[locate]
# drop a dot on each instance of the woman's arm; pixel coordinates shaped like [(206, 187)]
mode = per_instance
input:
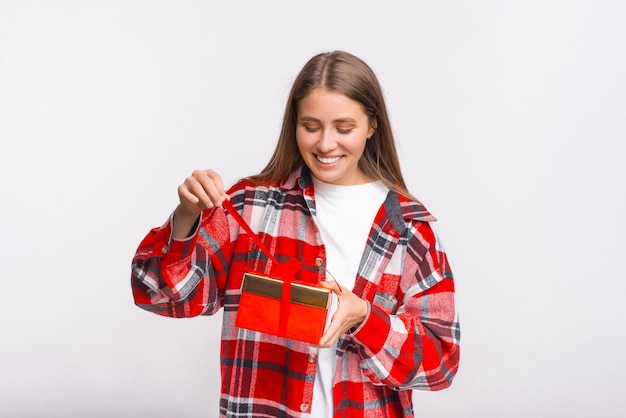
[(183, 278), (417, 346), (175, 271)]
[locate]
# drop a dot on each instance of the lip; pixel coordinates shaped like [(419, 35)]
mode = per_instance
[(327, 161)]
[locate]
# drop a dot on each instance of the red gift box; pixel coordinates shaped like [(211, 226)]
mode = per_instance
[(285, 309)]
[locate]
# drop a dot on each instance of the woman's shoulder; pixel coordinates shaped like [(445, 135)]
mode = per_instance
[(408, 208)]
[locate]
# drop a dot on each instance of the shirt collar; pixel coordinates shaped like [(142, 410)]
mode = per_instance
[(399, 208), (299, 178)]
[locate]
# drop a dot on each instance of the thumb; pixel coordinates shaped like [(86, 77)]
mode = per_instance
[(332, 285)]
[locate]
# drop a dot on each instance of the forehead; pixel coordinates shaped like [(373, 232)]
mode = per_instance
[(325, 104)]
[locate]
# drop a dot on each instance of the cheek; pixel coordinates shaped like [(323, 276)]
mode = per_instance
[(303, 139), (301, 144), (358, 146)]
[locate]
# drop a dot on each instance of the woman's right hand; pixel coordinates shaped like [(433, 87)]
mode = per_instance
[(204, 189)]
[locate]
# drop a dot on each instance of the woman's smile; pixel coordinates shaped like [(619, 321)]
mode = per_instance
[(328, 160)]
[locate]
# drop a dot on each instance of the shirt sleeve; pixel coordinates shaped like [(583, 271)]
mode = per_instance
[(183, 278), (417, 347)]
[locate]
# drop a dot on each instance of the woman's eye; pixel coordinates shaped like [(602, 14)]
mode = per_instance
[(344, 131), (311, 128)]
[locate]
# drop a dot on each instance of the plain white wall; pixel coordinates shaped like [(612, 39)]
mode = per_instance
[(510, 117)]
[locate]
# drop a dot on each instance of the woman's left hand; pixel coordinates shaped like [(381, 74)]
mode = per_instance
[(351, 311)]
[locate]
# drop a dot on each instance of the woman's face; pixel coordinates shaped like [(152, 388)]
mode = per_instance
[(331, 134)]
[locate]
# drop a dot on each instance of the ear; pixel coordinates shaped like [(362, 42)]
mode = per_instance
[(372, 129)]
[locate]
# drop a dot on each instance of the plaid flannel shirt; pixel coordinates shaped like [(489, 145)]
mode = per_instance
[(409, 339)]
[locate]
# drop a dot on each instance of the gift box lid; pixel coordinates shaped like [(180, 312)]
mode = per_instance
[(300, 293)]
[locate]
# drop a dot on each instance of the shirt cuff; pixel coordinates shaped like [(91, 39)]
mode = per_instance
[(175, 249), (373, 330)]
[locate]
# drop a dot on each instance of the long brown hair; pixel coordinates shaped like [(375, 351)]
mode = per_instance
[(343, 73)]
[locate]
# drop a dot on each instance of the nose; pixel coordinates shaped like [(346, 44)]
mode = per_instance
[(326, 142)]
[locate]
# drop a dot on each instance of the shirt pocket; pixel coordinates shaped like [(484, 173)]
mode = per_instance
[(386, 301)]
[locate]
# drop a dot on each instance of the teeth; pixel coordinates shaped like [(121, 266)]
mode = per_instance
[(328, 160)]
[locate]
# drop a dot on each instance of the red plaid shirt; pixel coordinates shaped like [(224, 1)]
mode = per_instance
[(409, 340)]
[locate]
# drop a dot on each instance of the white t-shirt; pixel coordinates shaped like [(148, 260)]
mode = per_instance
[(344, 215)]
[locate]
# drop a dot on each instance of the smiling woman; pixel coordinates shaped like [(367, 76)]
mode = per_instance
[(331, 199), (352, 81), (331, 147)]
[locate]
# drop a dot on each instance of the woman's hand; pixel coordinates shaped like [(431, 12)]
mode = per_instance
[(351, 311), (204, 189)]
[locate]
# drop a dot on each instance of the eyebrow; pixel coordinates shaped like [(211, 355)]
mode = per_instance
[(340, 120)]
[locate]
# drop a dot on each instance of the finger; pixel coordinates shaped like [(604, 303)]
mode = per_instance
[(332, 334), (195, 188), (328, 339), (185, 194), (212, 184), (332, 285), (189, 203), (219, 184), (334, 331)]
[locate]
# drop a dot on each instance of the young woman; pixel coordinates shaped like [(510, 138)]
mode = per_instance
[(331, 195)]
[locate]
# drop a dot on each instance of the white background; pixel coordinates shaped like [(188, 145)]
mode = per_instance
[(510, 117)]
